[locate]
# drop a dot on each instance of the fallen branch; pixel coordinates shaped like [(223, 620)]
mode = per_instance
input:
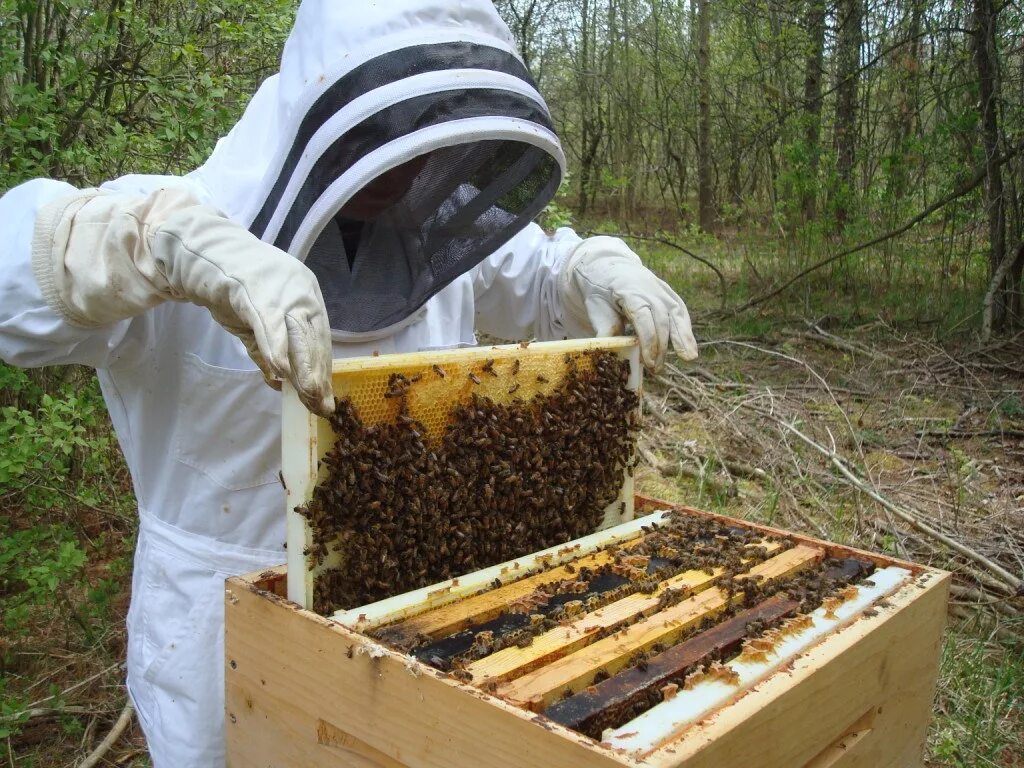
[(822, 336), (111, 739), (72, 688), (975, 597), (651, 409), (41, 712), (962, 434), (858, 483)]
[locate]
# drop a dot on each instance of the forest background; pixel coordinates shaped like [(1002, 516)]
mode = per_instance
[(836, 187)]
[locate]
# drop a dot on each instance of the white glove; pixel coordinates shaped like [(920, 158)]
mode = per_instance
[(100, 258), (604, 284)]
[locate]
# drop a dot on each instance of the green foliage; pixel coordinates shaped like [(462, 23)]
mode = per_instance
[(54, 439), (54, 449), (13, 710), (557, 213), (981, 704), (91, 91), (36, 566), (1012, 408), (58, 463)]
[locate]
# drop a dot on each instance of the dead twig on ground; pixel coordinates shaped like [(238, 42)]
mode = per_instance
[(822, 336), (906, 516), (71, 689), (111, 738), (42, 712), (965, 434), (937, 502)]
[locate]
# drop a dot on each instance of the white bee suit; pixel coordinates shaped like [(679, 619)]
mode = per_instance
[(198, 426), (431, 94)]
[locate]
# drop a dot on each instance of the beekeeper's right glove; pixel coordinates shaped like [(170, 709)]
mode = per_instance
[(603, 285), (100, 258)]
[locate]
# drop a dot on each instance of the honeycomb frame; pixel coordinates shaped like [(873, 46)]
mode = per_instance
[(446, 378)]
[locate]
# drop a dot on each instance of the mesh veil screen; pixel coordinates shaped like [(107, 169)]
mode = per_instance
[(461, 206)]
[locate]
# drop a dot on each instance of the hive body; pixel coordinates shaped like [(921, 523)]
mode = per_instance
[(848, 685), (676, 639)]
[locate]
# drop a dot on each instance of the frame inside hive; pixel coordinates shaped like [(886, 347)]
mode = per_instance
[(580, 674), (446, 378)]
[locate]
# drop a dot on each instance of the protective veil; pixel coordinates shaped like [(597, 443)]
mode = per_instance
[(430, 105), (432, 97)]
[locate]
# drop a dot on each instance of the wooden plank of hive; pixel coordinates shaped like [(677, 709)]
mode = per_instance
[(302, 690), (611, 697), (401, 607), (454, 617), (884, 664), (760, 660), (560, 641), (539, 689)]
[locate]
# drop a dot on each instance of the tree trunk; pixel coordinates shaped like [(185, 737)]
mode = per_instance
[(988, 97), (907, 64), (587, 145), (850, 22), (705, 191), (812, 105)]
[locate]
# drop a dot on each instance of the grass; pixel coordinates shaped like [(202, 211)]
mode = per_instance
[(980, 706), (908, 285)]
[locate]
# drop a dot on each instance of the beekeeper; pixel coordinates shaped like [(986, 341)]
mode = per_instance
[(376, 196)]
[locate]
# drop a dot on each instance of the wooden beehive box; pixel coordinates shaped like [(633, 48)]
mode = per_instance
[(678, 638), (850, 689)]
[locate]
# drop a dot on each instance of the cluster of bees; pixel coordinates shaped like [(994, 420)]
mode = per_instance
[(682, 542), (502, 481)]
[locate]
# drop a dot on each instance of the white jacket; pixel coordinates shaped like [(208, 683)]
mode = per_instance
[(199, 428)]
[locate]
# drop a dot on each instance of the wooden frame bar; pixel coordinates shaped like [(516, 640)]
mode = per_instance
[(415, 603), (662, 723), (460, 615), (619, 692), (539, 689), (561, 641)]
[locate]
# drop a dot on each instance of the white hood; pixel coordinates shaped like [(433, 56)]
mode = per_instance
[(364, 88)]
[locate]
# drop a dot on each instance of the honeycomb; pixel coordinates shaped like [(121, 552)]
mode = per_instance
[(432, 396), (432, 390)]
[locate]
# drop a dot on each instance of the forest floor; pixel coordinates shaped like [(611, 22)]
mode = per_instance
[(854, 429)]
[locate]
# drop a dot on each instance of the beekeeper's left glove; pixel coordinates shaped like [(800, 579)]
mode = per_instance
[(604, 285), (100, 258)]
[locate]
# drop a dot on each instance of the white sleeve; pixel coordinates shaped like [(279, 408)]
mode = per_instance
[(516, 288), (33, 334)]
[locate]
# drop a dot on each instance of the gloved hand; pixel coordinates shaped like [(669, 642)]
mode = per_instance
[(604, 284), (100, 258)]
